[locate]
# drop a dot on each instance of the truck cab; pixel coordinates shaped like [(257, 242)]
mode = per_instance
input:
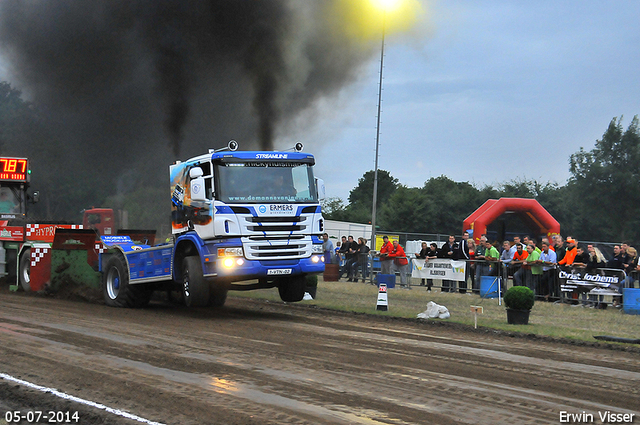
[(249, 216), (15, 177)]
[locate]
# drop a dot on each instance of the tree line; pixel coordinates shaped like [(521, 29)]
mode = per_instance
[(599, 202)]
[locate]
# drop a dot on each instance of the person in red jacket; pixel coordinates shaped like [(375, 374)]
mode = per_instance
[(400, 263), (385, 261)]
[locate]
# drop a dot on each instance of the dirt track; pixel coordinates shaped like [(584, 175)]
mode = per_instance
[(268, 363)]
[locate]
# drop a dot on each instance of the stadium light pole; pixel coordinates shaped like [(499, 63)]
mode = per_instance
[(375, 171)]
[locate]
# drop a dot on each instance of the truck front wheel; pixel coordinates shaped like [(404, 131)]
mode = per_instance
[(291, 288), (195, 290), (24, 273), (217, 296), (116, 288)]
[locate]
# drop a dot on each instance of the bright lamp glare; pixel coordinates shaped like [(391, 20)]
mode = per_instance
[(366, 19), (386, 5)]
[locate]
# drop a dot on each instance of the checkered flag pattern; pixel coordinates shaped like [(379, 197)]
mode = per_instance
[(33, 228), (37, 254)]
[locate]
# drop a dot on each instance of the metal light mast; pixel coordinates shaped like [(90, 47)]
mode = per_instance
[(375, 173)]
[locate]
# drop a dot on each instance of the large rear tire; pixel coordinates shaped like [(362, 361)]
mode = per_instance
[(195, 290), (24, 270), (116, 289), (291, 288)]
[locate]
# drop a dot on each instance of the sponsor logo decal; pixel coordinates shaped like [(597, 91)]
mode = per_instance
[(271, 156)]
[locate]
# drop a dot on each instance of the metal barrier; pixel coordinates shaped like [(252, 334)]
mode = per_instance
[(355, 266), (546, 285)]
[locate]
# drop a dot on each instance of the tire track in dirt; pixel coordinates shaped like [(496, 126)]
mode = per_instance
[(257, 362)]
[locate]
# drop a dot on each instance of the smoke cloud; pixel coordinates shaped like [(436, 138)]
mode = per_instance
[(95, 56), (135, 82)]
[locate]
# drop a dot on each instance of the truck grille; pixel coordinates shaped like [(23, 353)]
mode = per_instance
[(284, 248), (276, 225), (271, 237)]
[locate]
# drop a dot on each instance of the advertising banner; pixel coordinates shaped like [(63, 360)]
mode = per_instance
[(11, 233), (439, 268), (379, 240), (597, 282)]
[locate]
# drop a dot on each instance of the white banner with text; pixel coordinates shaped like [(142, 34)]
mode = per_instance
[(439, 268)]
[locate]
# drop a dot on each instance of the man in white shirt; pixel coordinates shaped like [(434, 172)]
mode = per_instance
[(548, 260)]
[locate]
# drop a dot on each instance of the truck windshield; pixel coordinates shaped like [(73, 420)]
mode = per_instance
[(254, 182), (11, 200)]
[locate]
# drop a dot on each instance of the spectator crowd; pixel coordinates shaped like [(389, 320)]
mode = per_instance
[(524, 260)]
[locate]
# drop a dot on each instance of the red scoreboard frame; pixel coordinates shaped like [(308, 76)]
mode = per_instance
[(14, 169)]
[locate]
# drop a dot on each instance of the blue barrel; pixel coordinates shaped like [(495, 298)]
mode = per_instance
[(376, 263), (631, 302), (489, 286), (388, 279)]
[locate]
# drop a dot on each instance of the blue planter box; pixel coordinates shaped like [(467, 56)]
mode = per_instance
[(388, 279)]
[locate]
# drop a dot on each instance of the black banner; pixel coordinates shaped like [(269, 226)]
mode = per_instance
[(596, 282)]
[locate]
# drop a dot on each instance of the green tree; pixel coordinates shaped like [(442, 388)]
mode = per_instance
[(334, 209), (361, 197), (451, 202), (405, 211), (362, 194), (440, 206), (604, 185)]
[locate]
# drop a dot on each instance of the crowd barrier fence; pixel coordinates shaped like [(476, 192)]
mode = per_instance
[(568, 284)]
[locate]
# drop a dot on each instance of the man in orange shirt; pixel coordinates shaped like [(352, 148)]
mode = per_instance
[(571, 253), (518, 259)]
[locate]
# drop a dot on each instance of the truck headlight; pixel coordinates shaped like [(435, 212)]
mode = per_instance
[(230, 262), (317, 249), (230, 252)]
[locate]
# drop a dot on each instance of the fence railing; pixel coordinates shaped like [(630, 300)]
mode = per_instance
[(548, 282)]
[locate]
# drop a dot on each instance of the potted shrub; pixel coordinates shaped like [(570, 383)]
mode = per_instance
[(519, 301)]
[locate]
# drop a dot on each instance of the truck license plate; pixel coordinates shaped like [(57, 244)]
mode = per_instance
[(279, 271)]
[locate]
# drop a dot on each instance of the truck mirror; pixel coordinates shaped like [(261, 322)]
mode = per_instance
[(320, 189), (197, 189), (35, 197)]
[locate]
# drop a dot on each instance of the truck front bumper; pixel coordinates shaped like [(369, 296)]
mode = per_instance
[(239, 268)]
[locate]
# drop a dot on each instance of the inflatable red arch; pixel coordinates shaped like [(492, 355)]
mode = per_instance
[(529, 210)]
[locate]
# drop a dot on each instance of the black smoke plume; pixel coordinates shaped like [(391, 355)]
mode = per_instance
[(130, 86)]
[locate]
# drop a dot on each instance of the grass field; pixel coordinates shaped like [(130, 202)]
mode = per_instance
[(554, 320)]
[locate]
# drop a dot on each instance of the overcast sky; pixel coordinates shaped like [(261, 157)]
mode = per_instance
[(481, 91), (497, 90)]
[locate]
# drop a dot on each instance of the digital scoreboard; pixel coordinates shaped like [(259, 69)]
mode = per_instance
[(14, 169)]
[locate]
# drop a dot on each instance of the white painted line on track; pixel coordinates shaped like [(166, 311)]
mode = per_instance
[(78, 400)]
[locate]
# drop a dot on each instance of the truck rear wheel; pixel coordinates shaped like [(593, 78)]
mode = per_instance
[(116, 288), (195, 290), (24, 272), (291, 288)]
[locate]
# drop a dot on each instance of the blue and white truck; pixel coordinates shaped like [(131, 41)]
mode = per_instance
[(240, 220)]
